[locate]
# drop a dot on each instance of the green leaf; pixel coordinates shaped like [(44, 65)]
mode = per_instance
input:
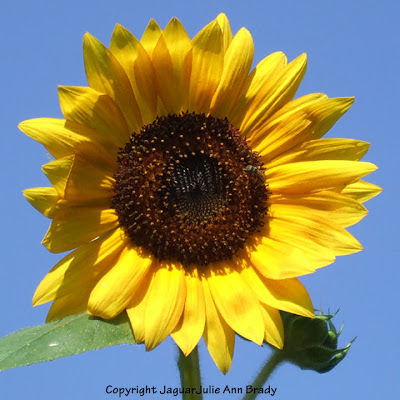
[(72, 335)]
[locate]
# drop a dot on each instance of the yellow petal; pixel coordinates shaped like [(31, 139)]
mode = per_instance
[(322, 149), (278, 91), (96, 110), (172, 59), (314, 114), (361, 191), (327, 112), (237, 64), (150, 37), (146, 88), (161, 110), (138, 67), (341, 209), (223, 22), (62, 138), (303, 177), (76, 179), (218, 335), (318, 107), (237, 304), (58, 136), (165, 303), (74, 303), (300, 252), (194, 316), (290, 294), (260, 285), (115, 289), (75, 226), (278, 260), (88, 182), (136, 309), (105, 74), (293, 107), (57, 173), (296, 129), (321, 230), (283, 294), (44, 199), (274, 332), (207, 67), (81, 268), (256, 85)]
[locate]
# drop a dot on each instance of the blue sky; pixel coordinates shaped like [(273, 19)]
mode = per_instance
[(353, 50)]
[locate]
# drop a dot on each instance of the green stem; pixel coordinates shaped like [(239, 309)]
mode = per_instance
[(275, 359), (189, 368)]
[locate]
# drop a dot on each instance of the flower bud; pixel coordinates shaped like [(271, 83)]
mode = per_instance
[(312, 343)]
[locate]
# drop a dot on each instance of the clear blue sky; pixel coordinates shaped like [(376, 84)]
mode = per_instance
[(353, 50)]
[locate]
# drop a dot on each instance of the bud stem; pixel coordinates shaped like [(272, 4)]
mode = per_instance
[(276, 358), (189, 369)]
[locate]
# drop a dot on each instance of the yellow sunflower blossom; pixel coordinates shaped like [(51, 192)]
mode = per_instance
[(194, 190)]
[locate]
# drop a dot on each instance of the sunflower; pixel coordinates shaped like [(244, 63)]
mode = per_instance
[(193, 190)]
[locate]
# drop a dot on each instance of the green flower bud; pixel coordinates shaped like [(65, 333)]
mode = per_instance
[(312, 343)]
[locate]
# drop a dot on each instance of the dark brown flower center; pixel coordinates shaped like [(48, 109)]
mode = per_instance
[(190, 189)]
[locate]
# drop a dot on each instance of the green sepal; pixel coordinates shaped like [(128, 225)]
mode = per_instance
[(72, 335)]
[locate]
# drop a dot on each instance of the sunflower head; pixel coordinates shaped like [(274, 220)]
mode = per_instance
[(190, 189), (194, 190)]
